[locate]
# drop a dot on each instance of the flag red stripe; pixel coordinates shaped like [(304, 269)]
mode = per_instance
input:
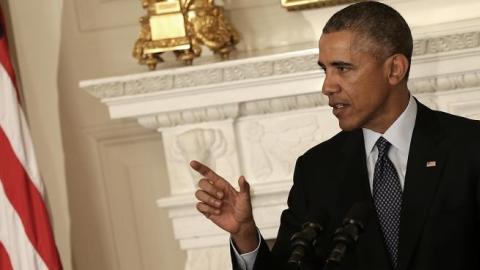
[(28, 203), (5, 263)]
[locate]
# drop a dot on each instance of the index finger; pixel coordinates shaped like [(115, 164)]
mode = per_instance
[(204, 170)]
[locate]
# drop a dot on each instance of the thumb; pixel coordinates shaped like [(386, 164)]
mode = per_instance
[(244, 185)]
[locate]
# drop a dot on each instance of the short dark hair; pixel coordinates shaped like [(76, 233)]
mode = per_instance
[(378, 23)]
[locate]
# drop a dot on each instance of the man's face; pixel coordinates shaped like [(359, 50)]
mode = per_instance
[(356, 82)]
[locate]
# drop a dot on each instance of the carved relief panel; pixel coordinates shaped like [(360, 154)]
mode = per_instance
[(270, 144), (210, 143), (465, 103)]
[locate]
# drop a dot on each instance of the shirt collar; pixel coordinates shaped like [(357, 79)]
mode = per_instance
[(399, 134)]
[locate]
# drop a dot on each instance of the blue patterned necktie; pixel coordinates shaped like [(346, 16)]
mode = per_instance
[(387, 196)]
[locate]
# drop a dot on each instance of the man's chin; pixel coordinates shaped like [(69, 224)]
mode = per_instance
[(345, 126)]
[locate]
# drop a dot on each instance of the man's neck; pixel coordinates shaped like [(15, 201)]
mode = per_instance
[(396, 105)]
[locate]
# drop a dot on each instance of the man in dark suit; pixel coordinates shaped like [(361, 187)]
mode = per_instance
[(417, 170)]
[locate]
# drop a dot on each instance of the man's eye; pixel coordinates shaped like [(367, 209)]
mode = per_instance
[(342, 68)]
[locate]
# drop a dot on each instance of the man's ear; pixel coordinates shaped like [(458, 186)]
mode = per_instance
[(397, 67)]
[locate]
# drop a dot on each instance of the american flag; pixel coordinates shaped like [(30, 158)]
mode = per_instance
[(26, 239)]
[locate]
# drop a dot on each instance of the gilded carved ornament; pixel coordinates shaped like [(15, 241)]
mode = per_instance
[(183, 26)]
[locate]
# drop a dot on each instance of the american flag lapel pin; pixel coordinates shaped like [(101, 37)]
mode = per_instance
[(431, 163)]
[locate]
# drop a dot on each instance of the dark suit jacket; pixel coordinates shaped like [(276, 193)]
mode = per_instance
[(440, 218)]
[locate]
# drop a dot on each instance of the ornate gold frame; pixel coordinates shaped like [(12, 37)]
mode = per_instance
[(306, 4)]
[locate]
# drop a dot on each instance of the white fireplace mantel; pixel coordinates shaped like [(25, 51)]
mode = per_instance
[(255, 115)]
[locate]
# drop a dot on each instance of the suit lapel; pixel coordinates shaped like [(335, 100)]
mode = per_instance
[(425, 163), (354, 185)]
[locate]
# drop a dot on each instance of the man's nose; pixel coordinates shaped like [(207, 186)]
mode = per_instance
[(330, 85)]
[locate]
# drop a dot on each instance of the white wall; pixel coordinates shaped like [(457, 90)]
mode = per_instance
[(114, 169)]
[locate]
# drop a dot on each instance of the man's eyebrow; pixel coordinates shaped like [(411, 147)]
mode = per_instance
[(341, 64), (336, 64)]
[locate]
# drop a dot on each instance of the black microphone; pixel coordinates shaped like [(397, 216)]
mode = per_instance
[(305, 242), (346, 236)]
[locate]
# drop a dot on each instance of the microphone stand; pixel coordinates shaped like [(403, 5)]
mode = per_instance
[(346, 236), (304, 244)]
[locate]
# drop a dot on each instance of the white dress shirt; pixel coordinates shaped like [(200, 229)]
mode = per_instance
[(399, 134)]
